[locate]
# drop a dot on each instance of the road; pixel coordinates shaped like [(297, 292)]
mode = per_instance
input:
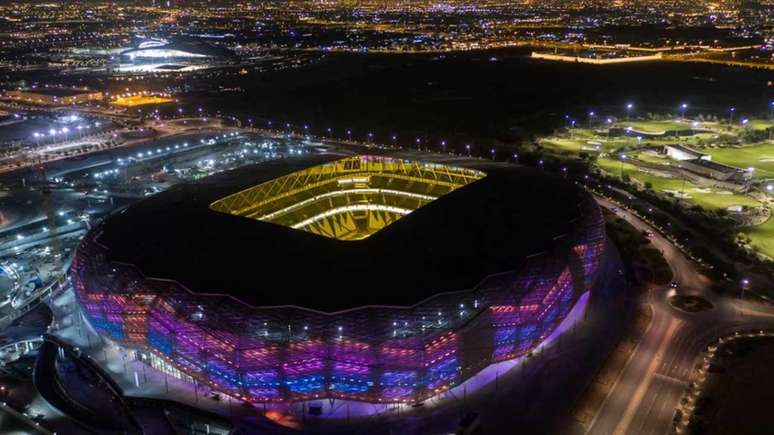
[(646, 394)]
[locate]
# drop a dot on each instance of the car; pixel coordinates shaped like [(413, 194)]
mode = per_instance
[(673, 284)]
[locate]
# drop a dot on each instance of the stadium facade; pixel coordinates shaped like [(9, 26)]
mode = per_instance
[(314, 277)]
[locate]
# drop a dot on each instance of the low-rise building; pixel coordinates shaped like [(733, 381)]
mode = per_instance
[(716, 171), (682, 152), (54, 96)]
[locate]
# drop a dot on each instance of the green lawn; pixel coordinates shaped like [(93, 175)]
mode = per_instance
[(762, 237), (565, 144), (586, 144), (760, 157), (708, 198), (655, 126), (656, 159), (760, 124)]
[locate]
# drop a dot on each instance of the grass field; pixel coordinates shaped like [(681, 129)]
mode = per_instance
[(654, 126), (762, 237), (760, 124), (656, 159), (705, 197), (585, 144), (760, 157)]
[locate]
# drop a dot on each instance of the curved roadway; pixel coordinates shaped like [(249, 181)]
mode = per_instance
[(646, 394)]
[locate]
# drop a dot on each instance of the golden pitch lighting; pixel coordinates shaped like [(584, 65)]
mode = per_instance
[(349, 199), (140, 100)]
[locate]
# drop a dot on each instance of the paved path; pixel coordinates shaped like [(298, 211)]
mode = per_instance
[(644, 398)]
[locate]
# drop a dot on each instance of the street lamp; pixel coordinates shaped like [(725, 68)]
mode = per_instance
[(683, 106), (623, 158), (629, 108), (731, 111)]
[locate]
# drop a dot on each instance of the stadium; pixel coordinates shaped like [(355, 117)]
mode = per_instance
[(370, 278)]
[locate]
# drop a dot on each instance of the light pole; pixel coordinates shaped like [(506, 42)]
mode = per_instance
[(609, 122), (629, 108), (731, 114), (683, 107), (621, 160), (592, 114), (750, 171)]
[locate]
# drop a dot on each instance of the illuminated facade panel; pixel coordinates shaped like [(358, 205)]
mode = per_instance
[(395, 352)]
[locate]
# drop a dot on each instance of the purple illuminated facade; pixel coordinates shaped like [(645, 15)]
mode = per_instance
[(373, 353)]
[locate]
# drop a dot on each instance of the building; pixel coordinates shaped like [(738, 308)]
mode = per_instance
[(716, 171), (54, 96), (682, 152), (157, 48), (368, 278)]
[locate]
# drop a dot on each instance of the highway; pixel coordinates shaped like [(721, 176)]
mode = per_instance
[(644, 398)]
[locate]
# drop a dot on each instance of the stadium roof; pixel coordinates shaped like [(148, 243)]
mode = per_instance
[(450, 244)]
